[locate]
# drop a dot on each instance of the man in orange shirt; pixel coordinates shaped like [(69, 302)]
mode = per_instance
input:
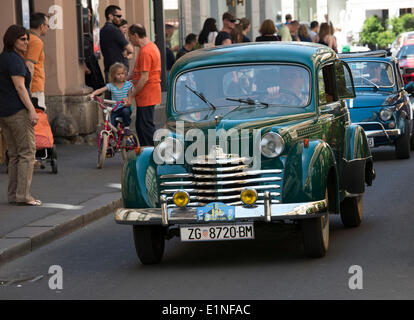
[(147, 81), (35, 56)]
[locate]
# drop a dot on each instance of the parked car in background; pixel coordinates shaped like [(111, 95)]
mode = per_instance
[(405, 56), (382, 106), (400, 40), (257, 134)]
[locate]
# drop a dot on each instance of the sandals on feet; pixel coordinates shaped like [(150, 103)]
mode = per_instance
[(33, 203)]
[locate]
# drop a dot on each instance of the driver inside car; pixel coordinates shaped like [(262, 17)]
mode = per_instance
[(290, 90)]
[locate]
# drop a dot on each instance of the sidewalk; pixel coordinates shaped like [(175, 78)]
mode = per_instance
[(78, 195)]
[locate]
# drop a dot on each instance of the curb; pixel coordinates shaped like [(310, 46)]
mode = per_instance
[(42, 232)]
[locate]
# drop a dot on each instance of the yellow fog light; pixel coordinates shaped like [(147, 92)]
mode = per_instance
[(249, 196), (181, 198)]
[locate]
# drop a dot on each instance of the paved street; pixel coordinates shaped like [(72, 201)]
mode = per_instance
[(99, 261)]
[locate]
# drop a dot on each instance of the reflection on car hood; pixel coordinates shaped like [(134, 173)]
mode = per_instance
[(243, 118), (373, 99)]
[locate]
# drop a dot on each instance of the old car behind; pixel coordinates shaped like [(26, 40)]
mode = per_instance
[(382, 105)]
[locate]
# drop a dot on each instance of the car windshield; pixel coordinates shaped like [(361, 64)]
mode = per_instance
[(406, 51), (372, 74), (263, 85)]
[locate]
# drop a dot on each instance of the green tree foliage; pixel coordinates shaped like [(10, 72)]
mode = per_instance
[(376, 32)]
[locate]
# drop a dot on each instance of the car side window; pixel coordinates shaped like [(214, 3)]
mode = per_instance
[(326, 85), (343, 80)]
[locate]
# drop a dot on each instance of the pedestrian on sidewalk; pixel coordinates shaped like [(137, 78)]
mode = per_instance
[(35, 56), (208, 34), (113, 42), (18, 116), (224, 36), (190, 44), (147, 81)]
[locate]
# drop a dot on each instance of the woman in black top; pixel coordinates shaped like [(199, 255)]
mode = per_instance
[(17, 115), (268, 31)]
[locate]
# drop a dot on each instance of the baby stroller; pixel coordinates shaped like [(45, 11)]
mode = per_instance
[(45, 148)]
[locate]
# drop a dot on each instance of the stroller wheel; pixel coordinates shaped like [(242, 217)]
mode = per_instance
[(54, 166)]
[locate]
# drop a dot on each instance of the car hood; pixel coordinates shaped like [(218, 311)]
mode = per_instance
[(243, 118), (366, 99)]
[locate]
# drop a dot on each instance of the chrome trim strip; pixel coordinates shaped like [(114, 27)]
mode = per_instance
[(221, 176), (224, 169), (269, 186), (268, 207), (214, 161), (218, 183), (164, 210)]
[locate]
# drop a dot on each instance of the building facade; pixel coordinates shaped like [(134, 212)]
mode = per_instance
[(65, 88)]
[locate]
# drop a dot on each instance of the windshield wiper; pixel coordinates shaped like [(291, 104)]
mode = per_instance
[(369, 81), (249, 101), (201, 96)]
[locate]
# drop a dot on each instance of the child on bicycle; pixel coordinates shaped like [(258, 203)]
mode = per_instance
[(119, 88)]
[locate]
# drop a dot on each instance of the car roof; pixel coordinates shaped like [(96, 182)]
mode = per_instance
[(308, 54)]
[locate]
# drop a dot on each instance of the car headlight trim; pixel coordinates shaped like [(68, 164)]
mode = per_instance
[(385, 114), (272, 145)]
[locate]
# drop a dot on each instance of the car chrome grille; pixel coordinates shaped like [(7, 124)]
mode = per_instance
[(221, 180)]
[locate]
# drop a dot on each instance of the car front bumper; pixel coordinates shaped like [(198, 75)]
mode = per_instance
[(266, 212), (380, 131)]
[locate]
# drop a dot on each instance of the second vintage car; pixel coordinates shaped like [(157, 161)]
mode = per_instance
[(256, 134), (382, 105)]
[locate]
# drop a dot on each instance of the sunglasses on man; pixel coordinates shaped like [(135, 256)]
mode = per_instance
[(119, 16)]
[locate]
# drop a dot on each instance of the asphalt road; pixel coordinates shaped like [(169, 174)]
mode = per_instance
[(99, 261)]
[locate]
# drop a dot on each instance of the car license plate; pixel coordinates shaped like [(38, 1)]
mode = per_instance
[(371, 142), (217, 232)]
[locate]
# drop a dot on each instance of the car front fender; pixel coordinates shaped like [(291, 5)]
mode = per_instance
[(139, 181), (308, 171)]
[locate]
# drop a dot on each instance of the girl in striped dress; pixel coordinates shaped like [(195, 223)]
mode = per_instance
[(119, 88)]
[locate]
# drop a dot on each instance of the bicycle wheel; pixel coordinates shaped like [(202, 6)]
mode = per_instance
[(102, 149), (129, 143)]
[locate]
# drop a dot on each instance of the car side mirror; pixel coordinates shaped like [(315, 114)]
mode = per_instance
[(409, 87)]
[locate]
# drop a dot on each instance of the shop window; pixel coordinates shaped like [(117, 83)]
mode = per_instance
[(88, 27), (24, 8)]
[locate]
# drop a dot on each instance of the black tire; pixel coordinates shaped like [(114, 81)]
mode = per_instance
[(102, 149), (149, 243), (53, 162), (352, 212), (403, 144), (131, 139), (316, 235)]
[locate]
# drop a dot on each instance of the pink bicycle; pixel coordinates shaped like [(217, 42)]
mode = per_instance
[(113, 139)]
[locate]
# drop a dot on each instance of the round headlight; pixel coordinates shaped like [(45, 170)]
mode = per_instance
[(249, 196), (168, 151), (272, 145), (181, 198), (385, 114)]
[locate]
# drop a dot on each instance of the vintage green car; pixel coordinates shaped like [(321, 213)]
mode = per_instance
[(256, 134)]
